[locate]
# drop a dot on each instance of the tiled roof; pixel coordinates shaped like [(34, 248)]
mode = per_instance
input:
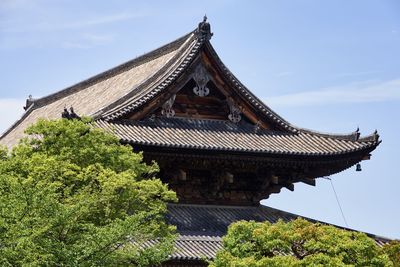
[(227, 136), (201, 226), (210, 220), (151, 88), (107, 89), (126, 88), (196, 247)]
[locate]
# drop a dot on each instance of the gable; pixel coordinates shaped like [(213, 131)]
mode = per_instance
[(201, 93)]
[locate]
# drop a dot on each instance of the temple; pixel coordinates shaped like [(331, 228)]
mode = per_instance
[(218, 146)]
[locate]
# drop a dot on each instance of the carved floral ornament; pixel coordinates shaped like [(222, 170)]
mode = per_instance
[(234, 115), (167, 110), (200, 76)]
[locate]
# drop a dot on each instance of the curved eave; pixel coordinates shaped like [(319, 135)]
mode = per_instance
[(207, 135), (303, 155), (270, 115), (157, 84)]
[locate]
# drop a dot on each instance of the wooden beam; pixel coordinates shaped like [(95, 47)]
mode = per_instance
[(308, 181), (289, 186), (366, 157), (246, 109), (274, 179)]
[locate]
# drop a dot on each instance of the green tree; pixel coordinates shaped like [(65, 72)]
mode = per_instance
[(297, 243), (72, 195), (392, 249)]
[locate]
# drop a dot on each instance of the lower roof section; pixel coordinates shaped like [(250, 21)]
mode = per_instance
[(227, 136), (201, 227)]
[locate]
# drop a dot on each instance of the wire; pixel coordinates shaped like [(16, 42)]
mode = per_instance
[(338, 202)]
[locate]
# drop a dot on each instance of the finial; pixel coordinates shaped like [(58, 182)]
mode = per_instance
[(357, 134), (65, 114), (204, 30), (72, 114), (69, 114), (29, 102)]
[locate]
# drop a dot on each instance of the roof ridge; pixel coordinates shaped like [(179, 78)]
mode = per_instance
[(23, 116), (353, 136), (137, 61), (34, 104), (112, 111)]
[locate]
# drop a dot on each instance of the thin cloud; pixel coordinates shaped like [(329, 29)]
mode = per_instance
[(75, 45), (284, 74), (52, 25), (88, 40), (360, 73), (350, 93), (17, 4)]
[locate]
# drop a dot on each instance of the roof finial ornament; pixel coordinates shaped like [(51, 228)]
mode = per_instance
[(72, 114), (204, 30), (357, 134), (69, 114), (65, 113), (29, 102)]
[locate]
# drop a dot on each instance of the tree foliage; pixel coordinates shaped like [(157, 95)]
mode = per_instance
[(72, 195), (298, 243), (392, 249)]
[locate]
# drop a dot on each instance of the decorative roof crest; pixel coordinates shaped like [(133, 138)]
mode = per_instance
[(200, 76), (204, 30), (167, 109), (29, 102), (234, 115), (69, 114)]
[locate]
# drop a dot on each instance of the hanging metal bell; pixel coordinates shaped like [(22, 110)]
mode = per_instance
[(358, 167)]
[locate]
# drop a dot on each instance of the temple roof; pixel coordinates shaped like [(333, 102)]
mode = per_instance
[(114, 95), (228, 136), (201, 227), (101, 92)]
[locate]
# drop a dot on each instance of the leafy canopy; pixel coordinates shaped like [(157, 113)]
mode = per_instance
[(298, 243), (72, 195)]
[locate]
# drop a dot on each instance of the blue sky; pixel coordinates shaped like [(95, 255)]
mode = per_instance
[(330, 66)]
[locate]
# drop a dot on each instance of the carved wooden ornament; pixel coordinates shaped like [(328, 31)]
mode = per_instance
[(201, 78), (234, 115), (167, 110)]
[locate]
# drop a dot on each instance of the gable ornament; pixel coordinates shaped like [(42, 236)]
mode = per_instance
[(167, 110), (204, 30), (200, 76), (234, 115)]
